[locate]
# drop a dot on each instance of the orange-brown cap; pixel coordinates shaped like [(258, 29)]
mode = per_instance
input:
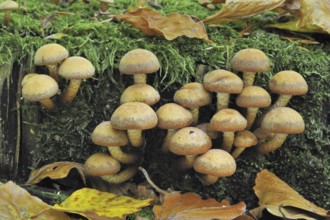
[(173, 116), (253, 96), (39, 87), (76, 67), (105, 135), (140, 93), (222, 81), (100, 164), (192, 95), (250, 60), (288, 82), (50, 54), (245, 139), (228, 120)]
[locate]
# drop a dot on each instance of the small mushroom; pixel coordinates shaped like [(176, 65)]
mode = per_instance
[(134, 117), (40, 88), (228, 121), (243, 139), (263, 135), (51, 55), (75, 69), (172, 117), (223, 83), (140, 93), (250, 61), (139, 63), (213, 164), (8, 6), (104, 4), (192, 96), (100, 164)]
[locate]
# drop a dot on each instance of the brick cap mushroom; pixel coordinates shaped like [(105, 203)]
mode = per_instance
[(100, 164), (140, 93)]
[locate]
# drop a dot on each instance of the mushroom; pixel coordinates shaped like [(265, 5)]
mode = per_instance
[(253, 98), (104, 4), (263, 135), (27, 77), (223, 83), (51, 55), (250, 61), (40, 88), (105, 135), (134, 117), (140, 93), (192, 96), (243, 139), (206, 127), (172, 117), (8, 6), (100, 164), (287, 84), (228, 121), (190, 142), (213, 164), (281, 121), (139, 62), (75, 69), (121, 176)]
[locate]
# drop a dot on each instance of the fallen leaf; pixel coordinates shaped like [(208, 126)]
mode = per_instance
[(190, 206), (97, 205), (57, 170), (235, 10), (281, 200), (174, 25)]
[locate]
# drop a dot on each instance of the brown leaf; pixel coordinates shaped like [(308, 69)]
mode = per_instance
[(239, 9), (171, 27), (57, 170), (191, 206), (281, 200)]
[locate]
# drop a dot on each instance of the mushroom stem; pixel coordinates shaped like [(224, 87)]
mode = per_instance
[(48, 104), (222, 100), (122, 176), (273, 144), (207, 179), (186, 162), (251, 116), (140, 78), (71, 91), (135, 137), (53, 72), (6, 17), (167, 139), (228, 140), (237, 152), (121, 156), (281, 101), (248, 78), (195, 114)]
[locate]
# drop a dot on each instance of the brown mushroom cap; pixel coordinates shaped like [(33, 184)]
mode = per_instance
[(105, 135), (192, 95), (283, 120), (39, 87), (222, 81), (27, 77), (215, 162), (134, 115), (228, 120), (50, 54), (100, 164), (245, 139), (253, 96), (140, 93), (250, 60), (190, 141), (288, 82), (9, 5), (76, 68), (139, 61), (173, 116)]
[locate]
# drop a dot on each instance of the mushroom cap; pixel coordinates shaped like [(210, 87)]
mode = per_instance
[(50, 54), (250, 60), (222, 81), (192, 95), (262, 134), (139, 61), (245, 139), (105, 135), (27, 77), (253, 96), (76, 67), (9, 5), (134, 115), (206, 127), (288, 82), (173, 116), (190, 141), (140, 93), (39, 87), (283, 120), (100, 164), (228, 120), (215, 162)]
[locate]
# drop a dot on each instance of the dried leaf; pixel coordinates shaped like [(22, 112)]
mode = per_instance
[(171, 27), (97, 205), (239, 9), (57, 170), (281, 200), (191, 206)]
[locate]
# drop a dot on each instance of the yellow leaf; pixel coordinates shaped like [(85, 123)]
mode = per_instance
[(94, 204)]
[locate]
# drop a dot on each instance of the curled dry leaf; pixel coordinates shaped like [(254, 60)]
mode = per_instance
[(174, 25), (283, 201), (57, 170), (240, 9)]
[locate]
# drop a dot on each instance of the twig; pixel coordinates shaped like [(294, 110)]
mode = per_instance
[(146, 175)]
